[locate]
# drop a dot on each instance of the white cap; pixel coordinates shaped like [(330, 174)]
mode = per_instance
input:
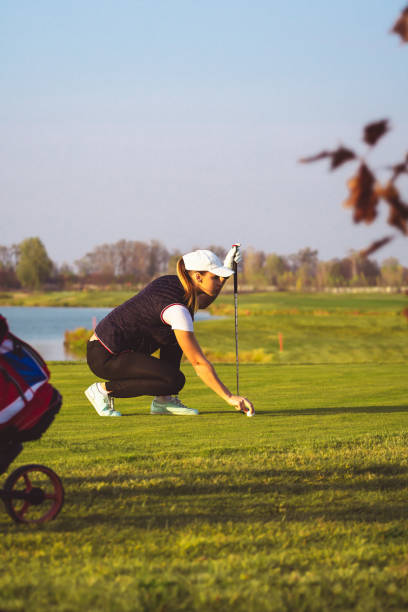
[(206, 261)]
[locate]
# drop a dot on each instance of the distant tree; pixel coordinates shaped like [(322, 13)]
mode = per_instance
[(174, 256), (287, 280), (346, 269), (65, 275), (330, 274), (275, 266), (130, 257), (157, 259), (98, 266), (365, 271), (34, 267), (139, 262), (306, 258), (126, 260), (392, 272), (304, 265), (253, 263), (8, 256), (8, 260)]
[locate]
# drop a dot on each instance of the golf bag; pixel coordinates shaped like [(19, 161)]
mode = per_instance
[(28, 402)]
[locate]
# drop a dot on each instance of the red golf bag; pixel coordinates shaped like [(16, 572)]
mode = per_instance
[(28, 402)]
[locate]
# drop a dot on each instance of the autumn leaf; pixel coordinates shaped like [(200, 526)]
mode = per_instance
[(313, 158), (338, 157), (363, 197), (397, 220), (398, 169), (364, 194), (398, 216), (374, 131), (400, 27), (374, 246)]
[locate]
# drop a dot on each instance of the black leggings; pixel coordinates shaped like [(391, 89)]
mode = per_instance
[(130, 374)]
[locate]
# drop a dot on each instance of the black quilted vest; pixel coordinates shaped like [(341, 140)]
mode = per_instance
[(136, 324)]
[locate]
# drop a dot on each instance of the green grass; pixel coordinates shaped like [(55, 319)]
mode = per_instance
[(315, 328), (303, 507), (258, 301), (84, 298)]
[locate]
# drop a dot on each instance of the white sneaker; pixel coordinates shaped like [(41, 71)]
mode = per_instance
[(171, 406), (112, 411), (103, 404)]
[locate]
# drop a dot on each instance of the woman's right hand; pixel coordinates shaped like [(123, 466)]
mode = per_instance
[(241, 403)]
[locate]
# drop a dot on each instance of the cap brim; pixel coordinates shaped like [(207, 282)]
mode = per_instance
[(222, 271)]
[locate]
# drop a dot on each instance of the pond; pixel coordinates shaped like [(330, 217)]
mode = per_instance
[(44, 327)]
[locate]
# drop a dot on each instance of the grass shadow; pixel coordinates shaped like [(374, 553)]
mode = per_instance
[(304, 495), (336, 410)]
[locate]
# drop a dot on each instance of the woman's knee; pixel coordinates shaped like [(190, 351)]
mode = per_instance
[(96, 357)]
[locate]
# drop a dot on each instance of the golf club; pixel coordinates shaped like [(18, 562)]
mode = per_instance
[(235, 268)]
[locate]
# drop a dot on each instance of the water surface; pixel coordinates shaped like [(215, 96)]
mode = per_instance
[(44, 327)]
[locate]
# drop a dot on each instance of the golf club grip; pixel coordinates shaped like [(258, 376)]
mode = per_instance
[(235, 268)]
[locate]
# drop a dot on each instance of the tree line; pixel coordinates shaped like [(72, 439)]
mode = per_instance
[(132, 263)]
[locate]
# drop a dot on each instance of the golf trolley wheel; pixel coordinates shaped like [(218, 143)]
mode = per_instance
[(34, 494)]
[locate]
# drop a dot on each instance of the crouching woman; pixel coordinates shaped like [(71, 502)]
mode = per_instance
[(160, 317)]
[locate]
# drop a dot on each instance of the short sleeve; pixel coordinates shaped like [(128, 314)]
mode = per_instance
[(178, 317)]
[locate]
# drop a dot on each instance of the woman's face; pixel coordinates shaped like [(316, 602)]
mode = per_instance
[(209, 283)]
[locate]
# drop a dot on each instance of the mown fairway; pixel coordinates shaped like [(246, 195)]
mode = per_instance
[(303, 507)]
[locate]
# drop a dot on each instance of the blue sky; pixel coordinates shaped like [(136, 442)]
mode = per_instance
[(183, 121)]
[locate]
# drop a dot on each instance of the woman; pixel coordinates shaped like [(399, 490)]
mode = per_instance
[(160, 317)]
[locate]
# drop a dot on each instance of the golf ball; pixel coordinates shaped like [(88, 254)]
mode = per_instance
[(249, 413)]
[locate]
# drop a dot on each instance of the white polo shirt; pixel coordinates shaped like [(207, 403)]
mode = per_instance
[(178, 317)]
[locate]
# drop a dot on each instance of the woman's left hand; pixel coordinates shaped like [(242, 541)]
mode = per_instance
[(233, 256)]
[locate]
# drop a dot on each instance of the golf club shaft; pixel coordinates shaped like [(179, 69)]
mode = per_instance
[(236, 321)]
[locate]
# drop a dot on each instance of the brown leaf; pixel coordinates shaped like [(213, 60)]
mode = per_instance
[(374, 246), (374, 131), (363, 197), (338, 157), (398, 216), (400, 27), (397, 220), (313, 158), (398, 169)]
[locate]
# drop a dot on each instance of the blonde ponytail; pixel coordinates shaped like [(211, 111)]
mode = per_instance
[(189, 287)]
